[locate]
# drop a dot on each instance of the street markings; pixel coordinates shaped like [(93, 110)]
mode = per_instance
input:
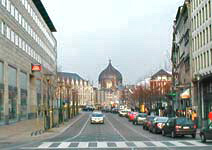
[(124, 144)]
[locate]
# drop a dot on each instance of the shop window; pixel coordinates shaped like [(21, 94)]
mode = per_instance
[(23, 86), (1, 93), (12, 93)]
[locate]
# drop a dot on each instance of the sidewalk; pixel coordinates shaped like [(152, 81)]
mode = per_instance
[(21, 131)]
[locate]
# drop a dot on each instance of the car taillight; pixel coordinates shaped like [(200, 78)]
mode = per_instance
[(195, 126), (177, 126), (159, 125)]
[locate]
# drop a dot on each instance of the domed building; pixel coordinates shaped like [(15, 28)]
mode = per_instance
[(110, 78)]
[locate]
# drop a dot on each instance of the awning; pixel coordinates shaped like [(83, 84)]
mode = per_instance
[(185, 94)]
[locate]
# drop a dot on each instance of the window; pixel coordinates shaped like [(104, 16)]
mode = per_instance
[(12, 10), (3, 2), (211, 56), (20, 43), (12, 37), (207, 38), (210, 32), (8, 5), (23, 45), (209, 7), (20, 19), (204, 60), (208, 59), (1, 27), (16, 14), (1, 91), (186, 38), (203, 37), (206, 12), (16, 39), (8, 32)]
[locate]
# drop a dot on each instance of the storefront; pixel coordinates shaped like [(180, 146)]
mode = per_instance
[(185, 104), (207, 99), (12, 88), (23, 86)]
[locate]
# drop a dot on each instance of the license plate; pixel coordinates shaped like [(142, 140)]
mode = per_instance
[(185, 127)]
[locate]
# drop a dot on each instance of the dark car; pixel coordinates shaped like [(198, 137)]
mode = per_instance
[(114, 110), (140, 118), (157, 124), (148, 122), (206, 133), (179, 126)]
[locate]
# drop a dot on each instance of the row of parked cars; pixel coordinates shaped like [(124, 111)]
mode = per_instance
[(174, 126)]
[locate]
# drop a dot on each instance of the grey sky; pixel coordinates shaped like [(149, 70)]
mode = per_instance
[(135, 34)]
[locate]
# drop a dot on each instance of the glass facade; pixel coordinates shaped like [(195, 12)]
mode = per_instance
[(12, 73), (23, 86), (38, 91), (1, 92)]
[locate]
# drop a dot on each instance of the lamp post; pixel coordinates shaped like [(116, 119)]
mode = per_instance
[(199, 100)]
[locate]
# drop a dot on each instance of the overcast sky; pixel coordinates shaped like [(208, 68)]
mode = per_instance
[(134, 34)]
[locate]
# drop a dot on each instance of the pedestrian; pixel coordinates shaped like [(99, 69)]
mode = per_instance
[(194, 117)]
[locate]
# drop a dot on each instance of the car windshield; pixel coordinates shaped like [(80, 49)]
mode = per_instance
[(97, 115), (183, 121), (151, 118)]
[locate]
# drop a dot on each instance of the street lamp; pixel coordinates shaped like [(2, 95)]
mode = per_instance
[(198, 76)]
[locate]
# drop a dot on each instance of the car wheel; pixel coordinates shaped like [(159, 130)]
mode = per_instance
[(143, 127), (150, 130), (203, 139), (173, 134), (163, 133), (193, 136), (154, 130)]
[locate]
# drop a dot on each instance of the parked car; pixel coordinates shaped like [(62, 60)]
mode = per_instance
[(206, 133), (157, 124), (123, 113), (97, 117), (148, 122), (132, 116), (179, 126), (140, 118)]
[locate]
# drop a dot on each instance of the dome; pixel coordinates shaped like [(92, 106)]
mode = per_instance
[(110, 73)]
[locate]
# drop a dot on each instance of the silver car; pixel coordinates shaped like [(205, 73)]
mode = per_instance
[(97, 117)]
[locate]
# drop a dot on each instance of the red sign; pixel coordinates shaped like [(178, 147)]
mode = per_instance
[(36, 67), (210, 115)]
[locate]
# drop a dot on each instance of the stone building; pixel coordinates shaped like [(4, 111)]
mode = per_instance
[(26, 39), (201, 21), (181, 59), (110, 79)]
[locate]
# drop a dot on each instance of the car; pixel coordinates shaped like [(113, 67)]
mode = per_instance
[(140, 119), (157, 124), (148, 122), (114, 110), (97, 117), (132, 116), (206, 133), (179, 126), (123, 113)]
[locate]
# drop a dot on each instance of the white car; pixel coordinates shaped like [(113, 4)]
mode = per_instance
[(97, 117)]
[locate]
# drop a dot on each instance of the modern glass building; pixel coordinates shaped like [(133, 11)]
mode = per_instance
[(26, 39)]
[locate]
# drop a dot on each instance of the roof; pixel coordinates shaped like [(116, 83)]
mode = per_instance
[(110, 73), (44, 15), (70, 75), (161, 72)]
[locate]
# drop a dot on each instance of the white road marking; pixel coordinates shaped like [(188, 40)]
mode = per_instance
[(83, 145), (102, 144), (177, 143), (121, 145), (158, 144), (82, 129), (129, 127), (140, 144), (196, 143), (45, 145), (116, 130), (64, 145)]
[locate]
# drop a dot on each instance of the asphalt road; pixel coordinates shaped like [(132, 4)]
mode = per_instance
[(116, 133)]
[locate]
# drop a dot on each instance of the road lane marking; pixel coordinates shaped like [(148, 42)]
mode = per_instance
[(140, 144), (159, 144), (135, 131), (83, 145), (45, 145), (102, 144), (121, 145), (118, 144), (177, 143), (116, 130), (196, 143), (64, 145), (82, 129)]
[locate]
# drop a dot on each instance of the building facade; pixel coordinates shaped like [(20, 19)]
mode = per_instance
[(181, 59), (201, 11), (26, 39)]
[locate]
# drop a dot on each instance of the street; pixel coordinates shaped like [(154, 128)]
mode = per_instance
[(116, 133)]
